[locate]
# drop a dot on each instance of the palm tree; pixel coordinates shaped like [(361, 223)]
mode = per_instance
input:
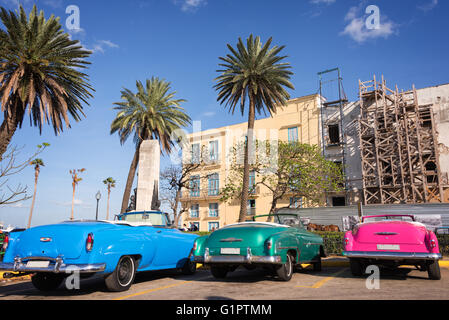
[(75, 180), (40, 73), (110, 183), (256, 73), (151, 113), (37, 163)]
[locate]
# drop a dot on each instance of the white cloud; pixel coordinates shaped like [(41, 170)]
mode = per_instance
[(357, 30), (428, 6), (102, 45), (191, 5), (322, 1), (77, 203), (209, 114)]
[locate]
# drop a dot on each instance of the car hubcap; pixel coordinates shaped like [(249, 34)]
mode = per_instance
[(125, 272)]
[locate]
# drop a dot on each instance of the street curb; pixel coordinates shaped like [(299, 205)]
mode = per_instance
[(335, 264)]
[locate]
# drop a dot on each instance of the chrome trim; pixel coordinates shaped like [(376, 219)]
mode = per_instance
[(237, 259), (386, 233), (392, 255), (231, 240), (57, 265)]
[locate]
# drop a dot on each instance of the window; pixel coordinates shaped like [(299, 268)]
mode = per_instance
[(214, 184), (251, 209), (213, 209), (195, 211), (195, 186), (293, 134), (334, 134), (338, 201), (196, 153), (214, 226), (213, 150), (252, 182), (295, 203)]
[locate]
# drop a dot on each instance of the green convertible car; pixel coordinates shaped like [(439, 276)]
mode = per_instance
[(278, 245)]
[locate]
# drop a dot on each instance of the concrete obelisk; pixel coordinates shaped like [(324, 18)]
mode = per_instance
[(148, 176)]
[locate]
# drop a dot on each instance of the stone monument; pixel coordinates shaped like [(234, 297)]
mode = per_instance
[(147, 197)]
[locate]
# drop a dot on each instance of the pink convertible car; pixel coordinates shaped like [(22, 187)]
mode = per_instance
[(391, 241)]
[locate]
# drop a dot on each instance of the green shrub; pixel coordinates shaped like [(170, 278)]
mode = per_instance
[(333, 242)]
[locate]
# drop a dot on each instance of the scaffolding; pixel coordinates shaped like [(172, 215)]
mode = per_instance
[(332, 103), (400, 160)]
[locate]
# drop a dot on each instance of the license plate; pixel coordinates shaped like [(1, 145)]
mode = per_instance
[(38, 264), (230, 251), (394, 247)]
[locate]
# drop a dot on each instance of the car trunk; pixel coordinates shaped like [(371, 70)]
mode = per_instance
[(241, 236), (391, 232), (68, 240)]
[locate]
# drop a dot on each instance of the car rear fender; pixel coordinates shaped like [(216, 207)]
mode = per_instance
[(109, 248), (9, 254), (200, 245), (432, 242), (283, 243)]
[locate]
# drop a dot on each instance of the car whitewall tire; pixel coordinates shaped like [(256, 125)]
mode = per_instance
[(123, 276)]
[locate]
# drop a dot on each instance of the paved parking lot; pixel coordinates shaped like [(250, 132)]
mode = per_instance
[(334, 282)]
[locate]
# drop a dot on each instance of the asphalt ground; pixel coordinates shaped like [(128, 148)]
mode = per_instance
[(334, 282)]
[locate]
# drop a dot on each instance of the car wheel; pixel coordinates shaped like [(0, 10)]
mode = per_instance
[(433, 269), (189, 268), (356, 267), (123, 276), (47, 281), (219, 272), (285, 271), (317, 265)]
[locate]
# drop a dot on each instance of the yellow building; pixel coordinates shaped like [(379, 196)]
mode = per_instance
[(298, 120)]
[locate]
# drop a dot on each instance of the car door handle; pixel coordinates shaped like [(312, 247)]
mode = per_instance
[(159, 231)]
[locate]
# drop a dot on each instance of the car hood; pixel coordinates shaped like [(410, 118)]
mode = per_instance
[(65, 239), (385, 232), (244, 235)]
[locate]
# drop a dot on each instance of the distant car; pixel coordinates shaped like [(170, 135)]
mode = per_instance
[(391, 241), (279, 245), (137, 241)]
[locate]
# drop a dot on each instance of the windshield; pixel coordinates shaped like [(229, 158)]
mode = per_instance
[(388, 218), (153, 218), (288, 220)]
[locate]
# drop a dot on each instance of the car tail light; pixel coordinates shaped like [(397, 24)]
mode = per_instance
[(5, 243), (269, 245), (195, 245), (89, 242), (433, 243)]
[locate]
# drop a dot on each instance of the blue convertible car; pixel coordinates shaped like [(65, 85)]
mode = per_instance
[(136, 241)]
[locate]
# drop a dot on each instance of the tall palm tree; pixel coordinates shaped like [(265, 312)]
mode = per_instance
[(37, 163), (40, 73), (151, 113), (255, 72), (110, 183), (75, 180)]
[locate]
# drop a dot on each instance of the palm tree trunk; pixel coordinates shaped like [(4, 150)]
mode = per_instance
[(248, 147), (129, 182), (7, 130), (36, 176), (109, 197), (73, 203)]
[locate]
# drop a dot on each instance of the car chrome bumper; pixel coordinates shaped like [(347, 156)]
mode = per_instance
[(56, 266), (393, 255), (237, 259)]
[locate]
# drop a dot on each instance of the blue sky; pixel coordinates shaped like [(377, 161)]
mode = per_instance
[(181, 40)]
